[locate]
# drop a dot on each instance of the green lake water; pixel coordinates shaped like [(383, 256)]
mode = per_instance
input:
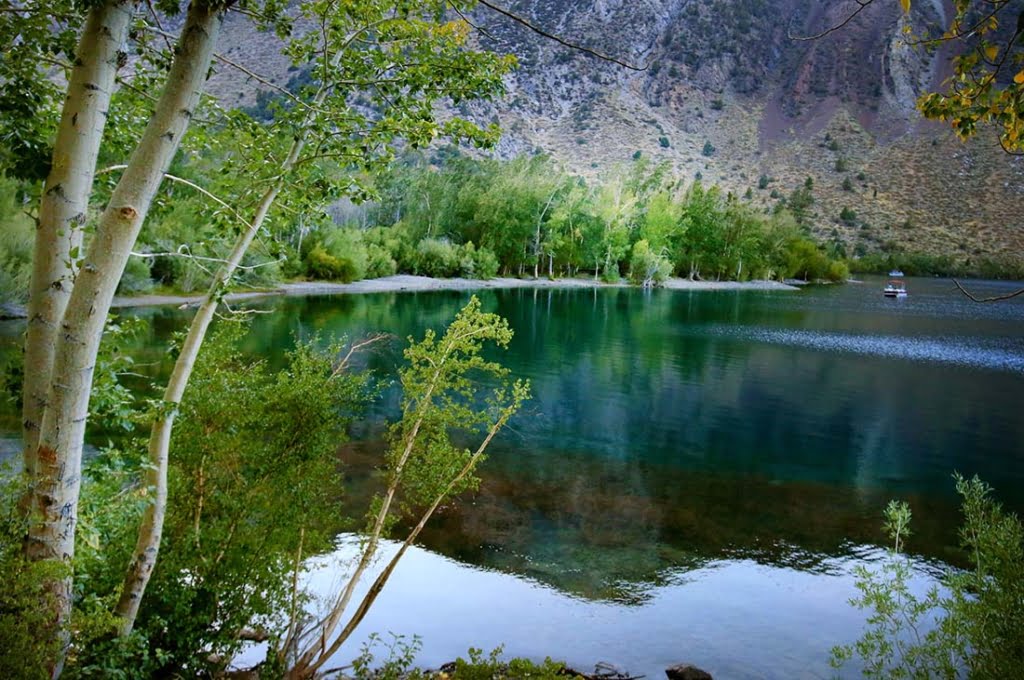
[(697, 473)]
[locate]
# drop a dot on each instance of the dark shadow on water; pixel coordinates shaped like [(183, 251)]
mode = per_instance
[(608, 530)]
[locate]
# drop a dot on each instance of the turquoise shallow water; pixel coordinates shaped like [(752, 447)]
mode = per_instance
[(698, 472)]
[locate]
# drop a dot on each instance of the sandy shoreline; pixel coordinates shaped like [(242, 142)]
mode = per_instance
[(407, 283)]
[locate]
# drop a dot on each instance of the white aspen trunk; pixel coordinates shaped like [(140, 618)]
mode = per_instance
[(52, 533), (65, 202), (147, 545)]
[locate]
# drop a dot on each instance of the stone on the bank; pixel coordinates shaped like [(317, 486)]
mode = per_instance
[(685, 671)]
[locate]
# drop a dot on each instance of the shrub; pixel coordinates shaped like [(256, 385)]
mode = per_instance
[(339, 255), (321, 265), (848, 215), (647, 267), (709, 149), (26, 628), (663, 141), (437, 257), (399, 242), (838, 272), (262, 487), (379, 262), (486, 264), (976, 630), (490, 667)]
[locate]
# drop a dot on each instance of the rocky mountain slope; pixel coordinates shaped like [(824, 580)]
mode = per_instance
[(730, 96)]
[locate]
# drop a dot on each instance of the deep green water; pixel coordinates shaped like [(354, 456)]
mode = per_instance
[(698, 471)]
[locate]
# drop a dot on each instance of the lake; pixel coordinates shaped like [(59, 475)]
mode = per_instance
[(697, 473)]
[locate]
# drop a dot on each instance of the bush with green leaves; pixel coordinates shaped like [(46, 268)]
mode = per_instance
[(491, 667), (485, 264), (438, 258), (838, 271), (401, 655), (973, 625), (647, 267), (848, 215), (26, 629), (338, 255), (253, 485), (379, 262)]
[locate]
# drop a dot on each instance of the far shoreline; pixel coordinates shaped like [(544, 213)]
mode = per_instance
[(406, 283)]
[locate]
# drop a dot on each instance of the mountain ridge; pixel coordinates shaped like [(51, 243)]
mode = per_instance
[(729, 96)]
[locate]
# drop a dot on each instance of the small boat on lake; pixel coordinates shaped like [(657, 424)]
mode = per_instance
[(896, 273), (895, 289)]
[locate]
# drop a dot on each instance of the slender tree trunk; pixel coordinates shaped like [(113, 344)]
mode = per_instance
[(52, 534), (147, 545), (315, 652), (307, 670), (65, 201)]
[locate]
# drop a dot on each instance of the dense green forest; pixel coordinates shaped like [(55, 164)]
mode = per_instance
[(448, 215)]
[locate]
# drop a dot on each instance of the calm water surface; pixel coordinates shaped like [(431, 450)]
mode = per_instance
[(697, 473)]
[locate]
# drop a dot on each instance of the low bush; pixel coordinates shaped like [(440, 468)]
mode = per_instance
[(337, 255), (438, 258), (647, 267), (971, 627)]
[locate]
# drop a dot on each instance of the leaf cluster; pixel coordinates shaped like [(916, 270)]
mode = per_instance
[(253, 481), (972, 625), (449, 387), (987, 84)]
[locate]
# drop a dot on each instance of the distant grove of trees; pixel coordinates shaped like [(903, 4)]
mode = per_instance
[(459, 216), (452, 215)]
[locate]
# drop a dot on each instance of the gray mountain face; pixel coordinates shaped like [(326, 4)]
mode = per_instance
[(730, 94)]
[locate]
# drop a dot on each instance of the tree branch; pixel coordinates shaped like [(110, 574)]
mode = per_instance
[(561, 41), (187, 183), (994, 298), (862, 5)]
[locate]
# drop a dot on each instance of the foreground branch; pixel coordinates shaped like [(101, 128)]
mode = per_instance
[(995, 298), (561, 41)]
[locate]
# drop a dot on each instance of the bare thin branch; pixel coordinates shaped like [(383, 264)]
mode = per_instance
[(356, 347), (480, 29), (185, 251), (561, 41), (994, 298), (193, 185), (861, 6)]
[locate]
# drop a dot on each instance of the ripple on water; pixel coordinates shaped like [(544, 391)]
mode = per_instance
[(972, 352)]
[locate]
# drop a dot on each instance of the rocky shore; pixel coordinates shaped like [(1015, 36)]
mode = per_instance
[(408, 283)]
